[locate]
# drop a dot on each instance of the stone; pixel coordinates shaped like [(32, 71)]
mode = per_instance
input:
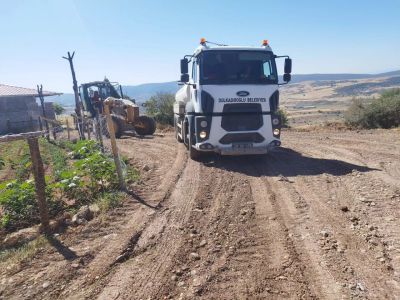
[(20, 237), (324, 233), (360, 286), (146, 168), (344, 208), (203, 243), (194, 256), (94, 208), (46, 284), (83, 215)]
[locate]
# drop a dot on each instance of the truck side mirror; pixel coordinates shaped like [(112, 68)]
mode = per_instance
[(184, 66), (184, 77), (288, 66), (287, 77)]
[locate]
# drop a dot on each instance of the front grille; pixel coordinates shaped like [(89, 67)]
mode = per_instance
[(248, 137), (242, 117)]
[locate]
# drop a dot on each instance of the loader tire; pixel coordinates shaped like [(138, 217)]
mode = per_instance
[(145, 126), (118, 124)]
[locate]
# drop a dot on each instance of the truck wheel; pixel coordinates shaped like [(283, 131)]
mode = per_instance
[(178, 138), (193, 153), (145, 126)]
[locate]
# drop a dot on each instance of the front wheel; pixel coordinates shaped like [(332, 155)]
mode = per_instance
[(145, 126), (193, 152), (178, 130)]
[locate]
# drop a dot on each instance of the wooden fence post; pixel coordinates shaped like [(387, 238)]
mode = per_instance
[(88, 128), (99, 130), (69, 136), (114, 148), (40, 183)]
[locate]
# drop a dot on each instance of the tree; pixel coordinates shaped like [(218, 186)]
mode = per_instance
[(58, 109), (161, 107)]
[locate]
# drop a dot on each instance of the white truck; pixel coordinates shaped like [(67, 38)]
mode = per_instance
[(229, 103)]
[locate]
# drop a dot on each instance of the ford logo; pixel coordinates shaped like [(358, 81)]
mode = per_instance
[(243, 93)]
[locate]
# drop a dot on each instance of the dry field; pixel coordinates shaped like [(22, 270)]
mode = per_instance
[(320, 102)]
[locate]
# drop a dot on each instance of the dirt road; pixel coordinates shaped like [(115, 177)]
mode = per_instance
[(318, 218)]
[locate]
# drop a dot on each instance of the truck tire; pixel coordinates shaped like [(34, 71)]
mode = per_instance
[(145, 126), (193, 152), (178, 138)]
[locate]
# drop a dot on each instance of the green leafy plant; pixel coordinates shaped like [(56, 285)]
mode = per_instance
[(18, 202), (83, 149), (100, 170)]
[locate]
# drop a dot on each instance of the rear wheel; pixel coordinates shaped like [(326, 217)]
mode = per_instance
[(145, 126)]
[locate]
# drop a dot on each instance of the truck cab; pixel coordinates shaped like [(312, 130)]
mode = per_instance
[(229, 103)]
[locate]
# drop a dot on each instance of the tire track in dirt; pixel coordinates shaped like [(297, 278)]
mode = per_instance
[(134, 222), (157, 244), (298, 223)]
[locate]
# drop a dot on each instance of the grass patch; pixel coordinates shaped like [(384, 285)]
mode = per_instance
[(109, 201), (23, 253)]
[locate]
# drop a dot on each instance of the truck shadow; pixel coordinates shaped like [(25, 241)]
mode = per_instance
[(284, 162)]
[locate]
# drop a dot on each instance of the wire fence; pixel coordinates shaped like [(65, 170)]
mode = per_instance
[(99, 128), (66, 128)]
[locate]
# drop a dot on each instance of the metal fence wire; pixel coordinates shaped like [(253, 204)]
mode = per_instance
[(97, 129)]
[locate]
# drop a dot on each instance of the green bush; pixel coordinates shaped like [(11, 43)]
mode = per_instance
[(58, 108), (161, 108), (284, 117), (383, 112)]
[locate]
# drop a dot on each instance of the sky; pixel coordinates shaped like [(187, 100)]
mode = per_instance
[(135, 42)]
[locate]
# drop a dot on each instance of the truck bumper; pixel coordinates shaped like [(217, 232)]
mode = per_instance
[(235, 150)]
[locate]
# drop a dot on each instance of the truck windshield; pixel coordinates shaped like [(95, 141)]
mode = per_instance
[(237, 67)]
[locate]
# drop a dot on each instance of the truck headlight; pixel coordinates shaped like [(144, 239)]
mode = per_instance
[(276, 131), (275, 121), (203, 134), (203, 124)]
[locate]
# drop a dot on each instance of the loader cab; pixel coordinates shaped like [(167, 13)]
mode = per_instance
[(93, 94)]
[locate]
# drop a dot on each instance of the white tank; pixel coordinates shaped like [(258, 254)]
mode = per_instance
[(181, 98)]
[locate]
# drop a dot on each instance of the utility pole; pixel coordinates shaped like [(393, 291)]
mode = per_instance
[(40, 94), (75, 88)]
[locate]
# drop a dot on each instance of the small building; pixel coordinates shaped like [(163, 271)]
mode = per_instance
[(19, 111)]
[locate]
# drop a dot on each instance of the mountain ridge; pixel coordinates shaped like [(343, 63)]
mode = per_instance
[(142, 92)]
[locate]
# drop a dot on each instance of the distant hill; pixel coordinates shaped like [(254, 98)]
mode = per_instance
[(296, 78), (142, 92)]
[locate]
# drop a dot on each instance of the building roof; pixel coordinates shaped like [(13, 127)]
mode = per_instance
[(14, 91)]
